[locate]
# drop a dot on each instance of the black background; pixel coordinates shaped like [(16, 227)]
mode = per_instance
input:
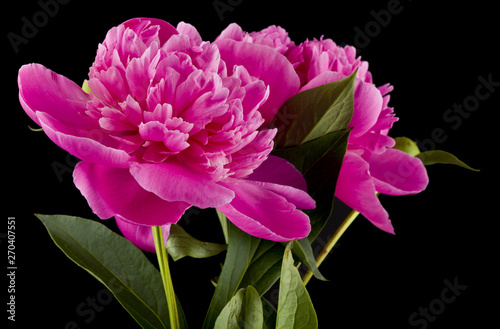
[(432, 54)]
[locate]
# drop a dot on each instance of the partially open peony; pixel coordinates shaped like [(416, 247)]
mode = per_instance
[(172, 122)]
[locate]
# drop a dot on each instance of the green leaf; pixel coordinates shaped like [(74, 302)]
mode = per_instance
[(322, 180), (240, 252), (406, 145), (295, 308), (265, 267), (317, 112), (438, 156), (302, 249), (315, 141), (231, 315), (243, 311), (180, 244), (305, 156), (319, 161), (253, 315), (269, 314), (115, 262)]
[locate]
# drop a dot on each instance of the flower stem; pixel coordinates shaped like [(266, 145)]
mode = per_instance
[(223, 224), (162, 254), (331, 243)]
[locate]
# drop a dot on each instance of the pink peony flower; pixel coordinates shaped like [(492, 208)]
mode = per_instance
[(273, 36), (173, 122), (371, 163)]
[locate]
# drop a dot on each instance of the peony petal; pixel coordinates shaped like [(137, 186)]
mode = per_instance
[(395, 172), (86, 148), (325, 77), (265, 214), (298, 197), (356, 189), (279, 176), (113, 191), (367, 108), (140, 235), (42, 90), (191, 31), (266, 64), (172, 181), (234, 32), (374, 141), (166, 30), (278, 171)]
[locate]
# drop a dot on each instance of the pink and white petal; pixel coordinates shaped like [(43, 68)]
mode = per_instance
[(113, 191), (266, 64), (278, 171), (191, 31), (173, 182), (140, 235), (85, 148), (234, 32), (42, 90), (356, 189), (140, 24), (166, 29), (395, 172), (265, 214)]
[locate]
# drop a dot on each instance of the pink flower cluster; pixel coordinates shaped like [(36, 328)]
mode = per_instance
[(171, 121), (371, 163)]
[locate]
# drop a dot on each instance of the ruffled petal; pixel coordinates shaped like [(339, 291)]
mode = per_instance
[(266, 64), (113, 191), (194, 35), (234, 32), (395, 172), (85, 148), (140, 235), (356, 189), (146, 27), (172, 181), (265, 214), (42, 90)]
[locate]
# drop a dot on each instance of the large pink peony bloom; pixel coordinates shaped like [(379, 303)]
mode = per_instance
[(371, 163), (173, 122)]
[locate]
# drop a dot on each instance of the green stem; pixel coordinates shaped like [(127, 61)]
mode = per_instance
[(223, 224), (331, 243), (162, 254)]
